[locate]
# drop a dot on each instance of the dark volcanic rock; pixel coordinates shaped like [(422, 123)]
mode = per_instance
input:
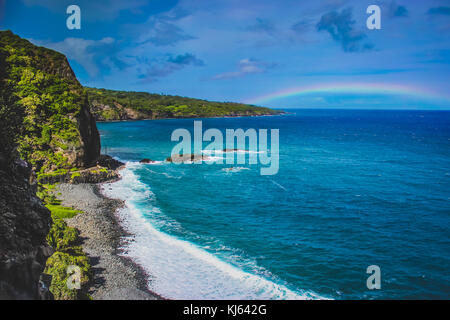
[(24, 224), (89, 135), (109, 162), (146, 161), (95, 174), (187, 157)]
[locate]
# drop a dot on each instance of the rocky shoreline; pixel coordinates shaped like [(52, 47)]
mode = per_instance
[(114, 277)]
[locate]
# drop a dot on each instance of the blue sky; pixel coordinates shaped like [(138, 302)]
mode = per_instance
[(244, 50)]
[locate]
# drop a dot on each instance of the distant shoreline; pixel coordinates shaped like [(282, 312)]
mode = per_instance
[(179, 118)]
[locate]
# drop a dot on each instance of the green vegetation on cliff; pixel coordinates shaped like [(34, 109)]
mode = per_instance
[(44, 115), (50, 114), (123, 105)]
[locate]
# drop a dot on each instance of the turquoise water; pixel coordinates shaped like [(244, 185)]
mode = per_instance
[(354, 188)]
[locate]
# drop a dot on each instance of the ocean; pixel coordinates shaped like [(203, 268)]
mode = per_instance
[(355, 188)]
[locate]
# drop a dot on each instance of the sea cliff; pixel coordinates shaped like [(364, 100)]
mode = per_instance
[(46, 128), (49, 138)]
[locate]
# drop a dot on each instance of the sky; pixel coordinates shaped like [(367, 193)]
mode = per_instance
[(281, 54)]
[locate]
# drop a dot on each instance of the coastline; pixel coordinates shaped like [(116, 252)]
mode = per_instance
[(282, 112), (115, 277), (179, 268)]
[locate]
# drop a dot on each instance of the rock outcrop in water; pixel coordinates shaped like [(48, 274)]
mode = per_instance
[(146, 160), (187, 158)]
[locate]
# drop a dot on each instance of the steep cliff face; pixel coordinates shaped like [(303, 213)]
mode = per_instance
[(90, 150), (24, 221), (58, 130), (45, 126), (24, 224)]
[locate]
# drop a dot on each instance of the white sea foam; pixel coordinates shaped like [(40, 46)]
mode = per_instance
[(154, 162), (206, 159), (213, 159), (165, 174), (119, 159), (180, 269), (235, 169), (240, 151)]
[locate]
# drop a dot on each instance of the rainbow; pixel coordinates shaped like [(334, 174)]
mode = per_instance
[(349, 88)]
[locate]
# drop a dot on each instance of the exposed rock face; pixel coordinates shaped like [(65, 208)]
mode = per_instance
[(116, 111), (91, 175), (109, 162), (89, 141), (89, 135), (24, 224)]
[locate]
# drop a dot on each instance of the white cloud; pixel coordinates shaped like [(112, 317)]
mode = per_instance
[(245, 67), (83, 51)]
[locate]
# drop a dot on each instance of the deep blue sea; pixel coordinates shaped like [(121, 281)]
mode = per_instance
[(354, 189)]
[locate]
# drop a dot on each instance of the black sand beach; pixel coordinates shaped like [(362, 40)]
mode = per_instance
[(115, 277)]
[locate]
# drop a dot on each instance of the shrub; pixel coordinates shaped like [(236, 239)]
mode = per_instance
[(61, 237), (57, 267), (61, 212)]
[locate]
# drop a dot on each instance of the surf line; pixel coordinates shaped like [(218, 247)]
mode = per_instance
[(257, 142), (193, 310)]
